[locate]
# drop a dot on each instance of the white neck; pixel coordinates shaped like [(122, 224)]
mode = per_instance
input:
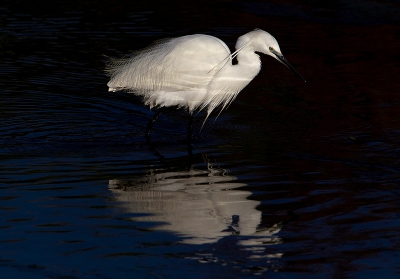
[(248, 62)]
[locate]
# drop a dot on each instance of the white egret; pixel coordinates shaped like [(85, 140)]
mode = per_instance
[(194, 72)]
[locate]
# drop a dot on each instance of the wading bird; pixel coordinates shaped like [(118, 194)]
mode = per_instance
[(194, 72)]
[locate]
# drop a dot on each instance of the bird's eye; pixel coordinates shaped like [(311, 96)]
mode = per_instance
[(271, 49)]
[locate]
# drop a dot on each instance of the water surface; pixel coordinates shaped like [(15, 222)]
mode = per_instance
[(294, 180)]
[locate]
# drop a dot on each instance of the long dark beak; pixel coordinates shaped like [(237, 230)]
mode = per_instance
[(283, 60)]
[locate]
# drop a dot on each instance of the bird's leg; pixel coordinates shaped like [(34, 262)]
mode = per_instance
[(190, 136), (150, 124), (147, 135)]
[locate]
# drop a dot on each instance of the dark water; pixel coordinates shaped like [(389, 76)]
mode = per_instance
[(294, 180)]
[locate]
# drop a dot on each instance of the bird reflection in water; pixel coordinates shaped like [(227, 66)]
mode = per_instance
[(201, 206)]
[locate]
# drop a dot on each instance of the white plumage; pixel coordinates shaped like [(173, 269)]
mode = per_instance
[(194, 71)]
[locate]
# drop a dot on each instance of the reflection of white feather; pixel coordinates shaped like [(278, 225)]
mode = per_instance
[(192, 71), (198, 205)]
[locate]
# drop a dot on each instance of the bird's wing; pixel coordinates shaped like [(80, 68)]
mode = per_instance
[(186, 63)]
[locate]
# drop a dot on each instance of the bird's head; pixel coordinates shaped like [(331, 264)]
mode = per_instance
[(261, 41)]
